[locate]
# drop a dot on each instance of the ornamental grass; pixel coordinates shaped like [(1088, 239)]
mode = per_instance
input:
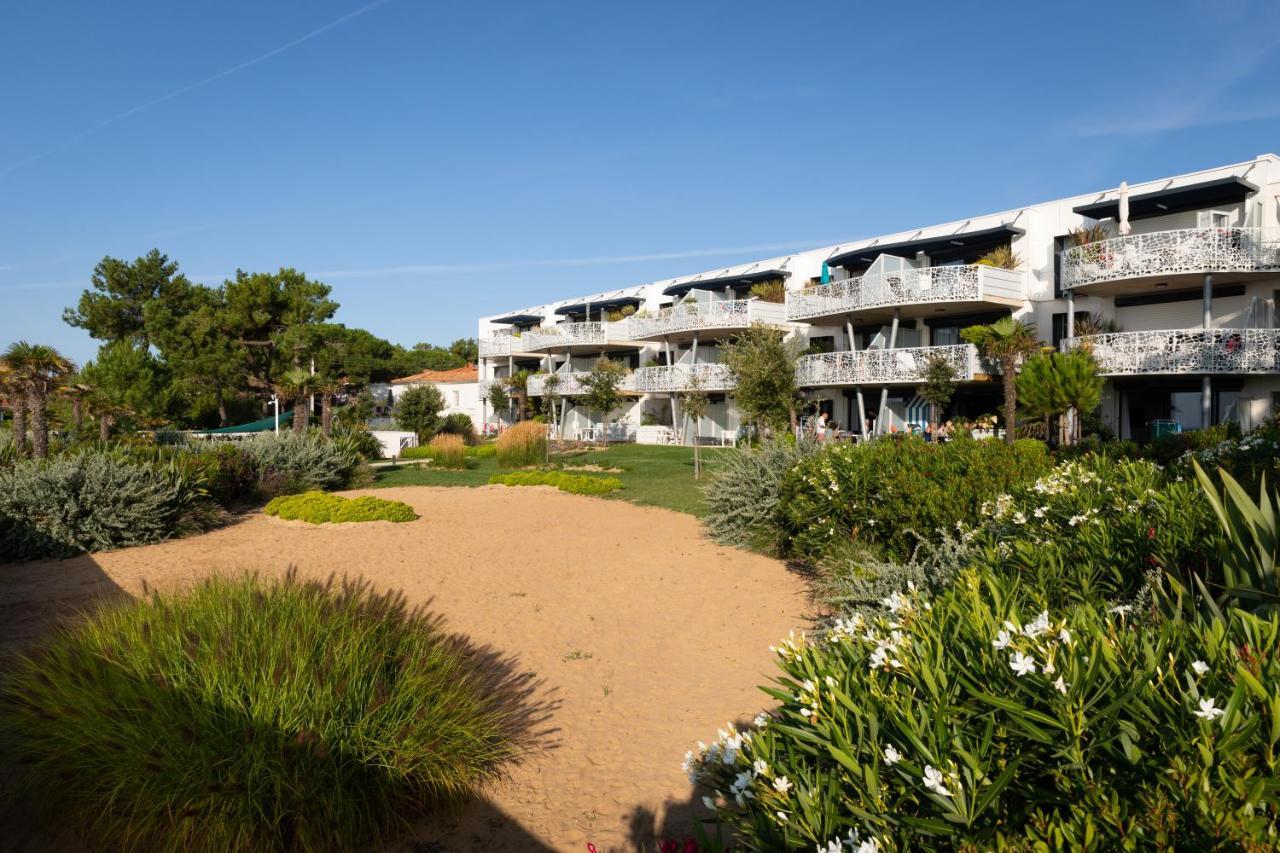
[(253, 715), (448, 451), (522, 445)]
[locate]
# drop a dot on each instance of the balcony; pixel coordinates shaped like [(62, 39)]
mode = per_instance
[(936, 288), (1183, 351), (903, 365), (571, 385), (500, 344), (688, 318), (682, 377), (567, 337), (1127, 262)]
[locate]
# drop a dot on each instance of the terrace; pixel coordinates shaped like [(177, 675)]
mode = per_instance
[(942, 288), (1184, 351), (900, 366), (1131, 263), (684, 377), (713, 317)]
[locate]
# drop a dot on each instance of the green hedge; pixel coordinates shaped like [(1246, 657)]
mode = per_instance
[(575, 483), (962, 723), (247, 716), (323, 508)]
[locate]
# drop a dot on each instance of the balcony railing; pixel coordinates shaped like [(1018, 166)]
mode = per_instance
[(905, 287), (568, 335), (694, 316), (500, 343), (682, 377), (570, 384), (1165, 253), (883, 366), (1179, 351)]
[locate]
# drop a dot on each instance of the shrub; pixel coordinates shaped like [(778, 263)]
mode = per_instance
[(289, 463), (448, 451), (577, 484), (418, 411), (1250, 553), (488, 450), (95, 502), (322, 508), (1093, 529), (966, 725), (251, 716), (358, 439), (742, 499), (460, 425), (521, 445), (897, 492), (1248, 459)]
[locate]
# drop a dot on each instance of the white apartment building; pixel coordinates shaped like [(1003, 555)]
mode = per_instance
[(1172, 283)]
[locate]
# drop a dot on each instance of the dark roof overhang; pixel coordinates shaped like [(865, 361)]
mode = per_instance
[(518, 319), (719, 282), (987, 238), (1172, 200), (612, 304)]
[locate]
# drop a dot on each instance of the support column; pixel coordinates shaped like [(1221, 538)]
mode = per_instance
[(884, 390), (1071, 313), (1206, 390)]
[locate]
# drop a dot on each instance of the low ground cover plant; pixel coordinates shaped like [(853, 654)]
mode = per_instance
[(578, 484), (96, 502), (965, 723), (323, 508), (249, 715), (522, 445)]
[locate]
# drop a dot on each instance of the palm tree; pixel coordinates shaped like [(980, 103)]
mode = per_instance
[(78, 393), (39, 369), (296, 386), (328, 389), (16, 398), (106, 411), (1006, 342)]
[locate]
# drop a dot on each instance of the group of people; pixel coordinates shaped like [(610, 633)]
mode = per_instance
[(821, 427)]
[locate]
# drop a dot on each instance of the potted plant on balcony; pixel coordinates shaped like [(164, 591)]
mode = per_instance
[(774, 290), (1001, 257)]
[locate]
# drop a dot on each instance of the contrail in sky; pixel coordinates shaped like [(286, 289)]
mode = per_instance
[(249, 63)]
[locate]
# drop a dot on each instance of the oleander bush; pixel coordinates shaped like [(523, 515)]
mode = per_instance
[(522, 445), (96, 502), (577, 484), (323, 508), (1249, 458), (743, 497), (252, 716), (897, 492), (964, 723)]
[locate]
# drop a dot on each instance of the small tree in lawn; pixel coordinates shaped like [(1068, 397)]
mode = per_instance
[(1040, 391), (1081, 385), (1006, 342), (498, 398), (939, 385), (418, 411), (695, 403), (602, 392), (551, 401), (762, 363)]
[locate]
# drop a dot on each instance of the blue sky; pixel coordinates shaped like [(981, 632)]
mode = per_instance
[(435, 162)]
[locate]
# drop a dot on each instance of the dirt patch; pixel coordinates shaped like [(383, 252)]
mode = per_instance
[(648, 636)]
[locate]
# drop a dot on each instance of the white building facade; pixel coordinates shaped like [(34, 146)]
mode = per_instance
[(1173, 284)]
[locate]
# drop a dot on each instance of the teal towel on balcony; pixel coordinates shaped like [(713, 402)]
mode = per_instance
[(826, 273)]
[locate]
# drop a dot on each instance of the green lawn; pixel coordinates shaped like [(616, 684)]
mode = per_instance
[(653, 476)]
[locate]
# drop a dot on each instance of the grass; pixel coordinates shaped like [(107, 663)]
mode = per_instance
[(650, 475), (253, 715)]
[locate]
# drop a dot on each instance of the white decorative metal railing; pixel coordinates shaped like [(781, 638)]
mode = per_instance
[(689, 316), (1183, 351), (903, 287), (565, 334), (681, 377), (883, 366), (501, 342), (570, 384), (1159, 253)]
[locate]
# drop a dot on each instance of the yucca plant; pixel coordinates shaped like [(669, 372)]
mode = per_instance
[(1251, 543), (1001, 257)]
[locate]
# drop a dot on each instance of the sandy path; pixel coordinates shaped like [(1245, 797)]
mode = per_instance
[(647, 635)]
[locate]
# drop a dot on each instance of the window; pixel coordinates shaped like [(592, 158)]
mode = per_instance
[(944, 336), (1059, 243), (456, 397), (1212, 219), (1059, 328)]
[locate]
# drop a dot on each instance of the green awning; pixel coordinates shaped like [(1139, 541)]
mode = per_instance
[(265, 425)]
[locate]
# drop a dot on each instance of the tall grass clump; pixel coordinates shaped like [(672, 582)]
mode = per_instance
[(523, 444), (448, 451), (252, 716), (97, 502)]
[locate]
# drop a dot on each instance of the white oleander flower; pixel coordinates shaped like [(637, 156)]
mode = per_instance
[(1060, 685), (1208, 710), (709, 803), (1002, 640), (1021, 664), (1064, 635), (782, 816), (1039, 626), (759, 767), (935, 781), (891, 755), (1200, 667), (782, 785)]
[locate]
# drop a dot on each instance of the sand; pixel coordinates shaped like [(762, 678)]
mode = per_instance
[(643, 637)]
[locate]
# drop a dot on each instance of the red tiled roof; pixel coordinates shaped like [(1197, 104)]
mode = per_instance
[(457, 374)]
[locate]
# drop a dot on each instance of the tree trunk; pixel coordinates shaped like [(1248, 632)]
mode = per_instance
[(604, 432), (104, 427), (697, 457), (20, 427), (301, 414), (39, 426), (77, 412), (326, 414), (222, 405), (1009, 370)]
